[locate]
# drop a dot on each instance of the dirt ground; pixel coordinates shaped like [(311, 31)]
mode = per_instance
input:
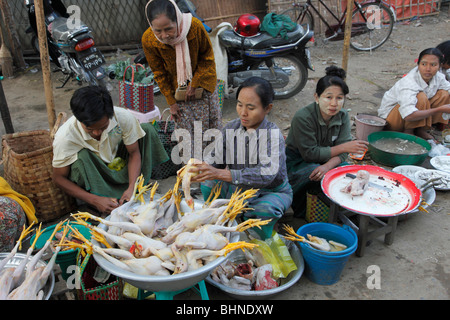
[(416, 265)]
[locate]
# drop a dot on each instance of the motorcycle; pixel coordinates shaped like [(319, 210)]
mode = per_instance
[(284, 62), (71, 48)]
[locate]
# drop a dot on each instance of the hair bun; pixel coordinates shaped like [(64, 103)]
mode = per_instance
[(335, 72)]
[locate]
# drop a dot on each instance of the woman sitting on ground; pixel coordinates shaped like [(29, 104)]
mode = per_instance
[(418, 100), (252, 155), (319, 138)]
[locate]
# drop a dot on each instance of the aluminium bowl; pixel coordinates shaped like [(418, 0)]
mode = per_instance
[(170, 283), (292, 278), (17, 259)]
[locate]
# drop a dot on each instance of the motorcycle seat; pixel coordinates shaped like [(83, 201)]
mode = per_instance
[(61, 32), (262, 40)]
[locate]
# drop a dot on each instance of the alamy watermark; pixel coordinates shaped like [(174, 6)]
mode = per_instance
[(373, 14), (374, 279), (74, 278), (235, 147), (74, 20)]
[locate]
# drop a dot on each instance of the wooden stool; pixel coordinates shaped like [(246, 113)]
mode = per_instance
[(362, 229)]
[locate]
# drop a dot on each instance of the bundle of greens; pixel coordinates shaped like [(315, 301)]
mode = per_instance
[(141, 75)]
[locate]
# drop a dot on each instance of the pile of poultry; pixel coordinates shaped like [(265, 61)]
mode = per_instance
[(154, 237), (27, 280), (146, 237)]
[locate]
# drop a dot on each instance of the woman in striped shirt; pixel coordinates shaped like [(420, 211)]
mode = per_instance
[(251, 155)]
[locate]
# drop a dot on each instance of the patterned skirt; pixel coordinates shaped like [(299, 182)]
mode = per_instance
[(12, 220), (202, 114), (266, 204)]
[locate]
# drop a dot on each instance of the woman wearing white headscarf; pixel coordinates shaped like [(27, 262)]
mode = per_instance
[(179, 52)]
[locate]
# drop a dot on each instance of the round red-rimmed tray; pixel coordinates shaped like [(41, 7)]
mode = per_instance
[(375, 201)]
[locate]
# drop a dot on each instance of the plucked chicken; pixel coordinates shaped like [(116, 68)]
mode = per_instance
[(314, 241), (186, 176), (6, 274), (210, 236), (144, 266), (35, 277), (192, 220), (360, 184), (167, 240)]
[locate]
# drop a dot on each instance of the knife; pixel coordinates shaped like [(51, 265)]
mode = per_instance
[(371, 184)]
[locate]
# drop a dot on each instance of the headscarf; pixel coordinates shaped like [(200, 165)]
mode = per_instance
[(180, 43)]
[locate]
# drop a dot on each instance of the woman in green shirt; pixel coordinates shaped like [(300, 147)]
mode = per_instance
[(319, 138)]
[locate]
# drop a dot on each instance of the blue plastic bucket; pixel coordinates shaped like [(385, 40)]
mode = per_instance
[(324, 267)]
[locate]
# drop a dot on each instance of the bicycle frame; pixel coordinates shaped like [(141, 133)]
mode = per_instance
[(336, 29)]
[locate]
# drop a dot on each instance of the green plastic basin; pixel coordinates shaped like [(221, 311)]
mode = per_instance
[(64, 258), (396, 159)]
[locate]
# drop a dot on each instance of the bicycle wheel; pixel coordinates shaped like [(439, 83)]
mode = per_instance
[(300, 15), (372, 25)]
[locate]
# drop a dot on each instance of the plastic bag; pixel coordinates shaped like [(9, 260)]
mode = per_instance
[(117, 164), (131, 292), (437, 149), (274, 251), (282, 253)]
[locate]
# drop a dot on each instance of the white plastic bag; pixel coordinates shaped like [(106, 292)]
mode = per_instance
[(437, 149)]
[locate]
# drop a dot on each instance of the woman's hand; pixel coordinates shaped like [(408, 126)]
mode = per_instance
[(445, 108), (355, 146), (175, 112), (208, 172), (319, 172), (190, 93), (105, 204), (126, 196)]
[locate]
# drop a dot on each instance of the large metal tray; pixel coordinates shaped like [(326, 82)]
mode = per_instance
[(15, 261), (170, 283), (293, 277)]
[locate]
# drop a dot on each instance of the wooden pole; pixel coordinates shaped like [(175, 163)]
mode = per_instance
[(6, 117), (347, 34), (11, 35), (6, 60), (45, 62)]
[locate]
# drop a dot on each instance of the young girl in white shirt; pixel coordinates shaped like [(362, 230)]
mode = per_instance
[(419, 99)]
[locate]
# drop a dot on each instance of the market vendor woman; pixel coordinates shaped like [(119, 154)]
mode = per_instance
[(179, 52), (418, 100), (91, 139), (319, 138), (251, 155)]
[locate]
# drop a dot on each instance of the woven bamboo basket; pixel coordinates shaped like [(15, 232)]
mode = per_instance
[(27, 162)]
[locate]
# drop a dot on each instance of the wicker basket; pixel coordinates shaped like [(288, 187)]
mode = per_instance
[(27, 160), (316, 209), (165, 128)]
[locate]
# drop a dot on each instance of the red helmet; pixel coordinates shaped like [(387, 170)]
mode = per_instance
[(247, 25)]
